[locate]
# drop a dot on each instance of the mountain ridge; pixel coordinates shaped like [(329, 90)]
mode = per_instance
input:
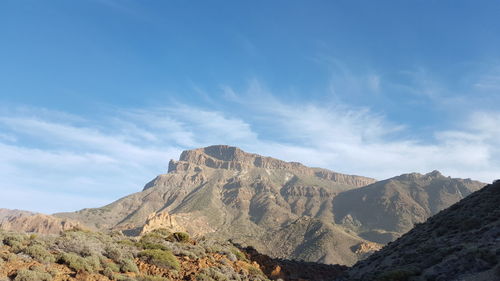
[(225, 193)]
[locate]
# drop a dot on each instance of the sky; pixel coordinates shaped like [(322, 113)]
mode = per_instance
[(96, 96)]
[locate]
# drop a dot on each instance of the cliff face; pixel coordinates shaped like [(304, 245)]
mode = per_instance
[(161, 220), (233, 158)]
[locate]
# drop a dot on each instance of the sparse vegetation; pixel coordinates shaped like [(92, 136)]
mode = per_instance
[(32, 275), (160, 258), (39, 253), (76, 254), (181, 237)]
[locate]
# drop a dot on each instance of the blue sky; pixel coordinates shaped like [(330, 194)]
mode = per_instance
[(97, 95)]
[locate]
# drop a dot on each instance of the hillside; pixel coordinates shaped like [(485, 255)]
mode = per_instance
[(385, 210), (92, 256), (459, 243)]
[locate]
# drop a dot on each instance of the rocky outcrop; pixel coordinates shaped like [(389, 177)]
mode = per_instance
[(6, 214), (161, 220), (39, 223)]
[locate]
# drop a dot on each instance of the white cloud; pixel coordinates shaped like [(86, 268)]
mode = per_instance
[(89, 162)]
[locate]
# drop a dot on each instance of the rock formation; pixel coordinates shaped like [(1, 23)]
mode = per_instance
[(161, 220), (38, 223)]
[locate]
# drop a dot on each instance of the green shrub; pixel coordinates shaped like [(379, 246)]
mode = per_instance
[(252, 270), (107, 264), (127, 242), (39, 253), (239, 254), (15, 241), (113, 253), (162, 232), (108, 273), (32, 275), (128, 265), (152, 278), (151, 246), (160, 258), (181, 237), (211, 274), (79, 263)]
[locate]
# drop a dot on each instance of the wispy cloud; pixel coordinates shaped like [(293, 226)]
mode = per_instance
[(89, 162)]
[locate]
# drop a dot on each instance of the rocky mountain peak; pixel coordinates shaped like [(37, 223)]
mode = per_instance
[(435, 174), (228, 157), (232, 158)]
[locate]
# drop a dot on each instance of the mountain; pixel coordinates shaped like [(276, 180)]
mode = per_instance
[(459, 243), (283, 209), (24, 221), (384, 210)]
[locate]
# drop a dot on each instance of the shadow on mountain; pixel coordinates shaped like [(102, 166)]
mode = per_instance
[(292, 270)]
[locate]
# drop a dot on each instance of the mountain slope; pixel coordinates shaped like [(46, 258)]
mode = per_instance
[(224, 192), (283, 209), (386, 209), (459, 243)]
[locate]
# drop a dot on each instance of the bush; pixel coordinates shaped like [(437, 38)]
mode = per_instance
[(160, 258), (108, 273), (252, 270), (78, 263), (39, 253), (162, 232), (107, 264), (152, 278), (82, 243), (113, 253), (128, 265), (211, 274), (181, 237), (239, 255), (15, 241), (32, 275), (151, 246)]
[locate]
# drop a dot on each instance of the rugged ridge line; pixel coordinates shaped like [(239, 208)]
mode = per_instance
[(233, 158)]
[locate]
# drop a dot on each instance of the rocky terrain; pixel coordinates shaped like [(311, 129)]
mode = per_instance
[(156, 256), (21, 221), (459, 243), (6, 214), (283, 209)]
